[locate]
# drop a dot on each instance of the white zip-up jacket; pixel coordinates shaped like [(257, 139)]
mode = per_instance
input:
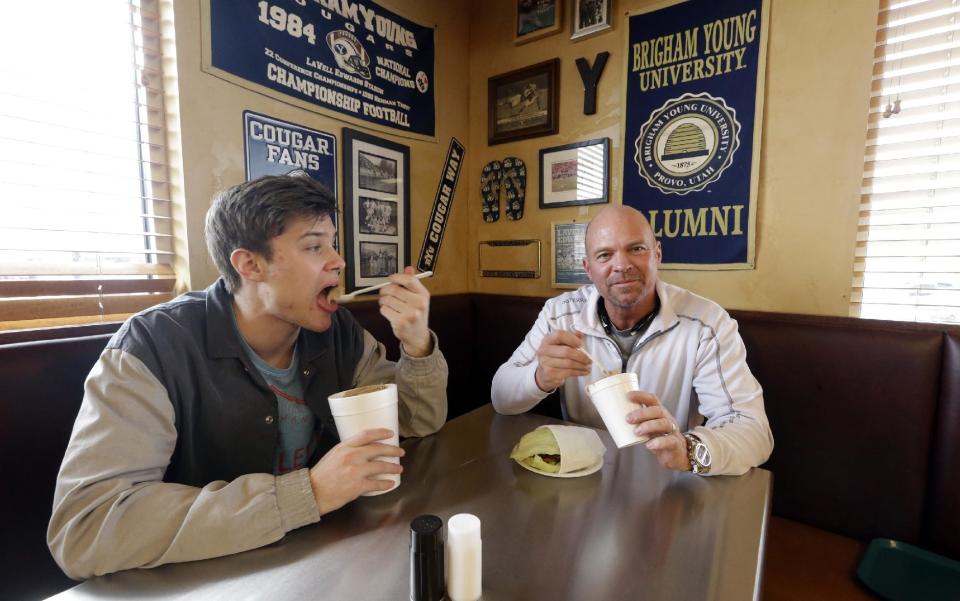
[(691, 357)]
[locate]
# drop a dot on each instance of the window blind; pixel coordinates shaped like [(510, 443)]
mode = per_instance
[(85, 233), (907, 264)]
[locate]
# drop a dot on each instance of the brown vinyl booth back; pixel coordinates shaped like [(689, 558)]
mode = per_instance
[(851, 403), (42, 384), (941, 529)]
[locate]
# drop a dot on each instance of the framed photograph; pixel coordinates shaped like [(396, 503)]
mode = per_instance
[(536, 19), (567, 241), (524, 103), (574, 174), (590, 17), (376, 208)]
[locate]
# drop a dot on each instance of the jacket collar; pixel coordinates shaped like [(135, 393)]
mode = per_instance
[(223, 338), (588, 322)]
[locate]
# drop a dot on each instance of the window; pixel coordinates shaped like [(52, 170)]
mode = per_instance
[(85, 230), (907, 264)]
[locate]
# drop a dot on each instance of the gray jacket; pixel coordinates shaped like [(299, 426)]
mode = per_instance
[(171, 454)]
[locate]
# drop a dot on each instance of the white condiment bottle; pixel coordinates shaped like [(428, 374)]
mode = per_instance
[(464, 558)]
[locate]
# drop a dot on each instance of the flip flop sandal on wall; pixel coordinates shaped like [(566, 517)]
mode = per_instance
[(490, 190), (515, 182)]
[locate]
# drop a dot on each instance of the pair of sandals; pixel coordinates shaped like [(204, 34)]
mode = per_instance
[(512, 174)]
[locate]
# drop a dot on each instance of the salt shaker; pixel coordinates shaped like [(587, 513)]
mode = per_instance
[(464, 558), (426, 558)]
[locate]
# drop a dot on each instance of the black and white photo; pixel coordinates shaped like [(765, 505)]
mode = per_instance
[(378, 216), (377, 173), (590, 16), (378, 260)]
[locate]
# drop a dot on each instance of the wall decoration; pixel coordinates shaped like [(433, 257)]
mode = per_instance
[(515, 186), (364, 63), (440, 215), (567, 239), (590, 77), (536, 19), (490, 177), (275, 147), (376, 208), (574, 174), (524, 103), (510, 259), (694, 109), (590, 17)]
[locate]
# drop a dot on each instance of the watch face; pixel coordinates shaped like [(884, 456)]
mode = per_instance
[(702, 454)]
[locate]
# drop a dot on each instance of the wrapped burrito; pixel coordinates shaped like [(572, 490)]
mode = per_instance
[(559, 449)]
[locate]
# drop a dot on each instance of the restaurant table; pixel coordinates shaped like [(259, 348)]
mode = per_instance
[(632, 530)]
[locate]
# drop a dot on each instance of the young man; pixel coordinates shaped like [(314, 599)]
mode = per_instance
[(205, 428), (685, 350)]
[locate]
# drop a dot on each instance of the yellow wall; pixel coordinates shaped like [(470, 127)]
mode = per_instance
[(819, 63), (210, 115), (817, 85)]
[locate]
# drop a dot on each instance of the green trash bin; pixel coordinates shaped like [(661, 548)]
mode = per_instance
[(900, 572)]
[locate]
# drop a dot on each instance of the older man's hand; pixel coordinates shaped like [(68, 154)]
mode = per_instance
[(666, 441), (559, 358)]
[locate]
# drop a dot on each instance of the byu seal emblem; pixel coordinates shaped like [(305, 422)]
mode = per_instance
[(687, 143)]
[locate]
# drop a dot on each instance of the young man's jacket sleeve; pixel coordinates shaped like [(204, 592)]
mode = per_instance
[(111, 508)]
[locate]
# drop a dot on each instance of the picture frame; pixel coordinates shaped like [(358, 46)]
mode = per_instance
[(509, 258), (534, 19), (524, 103), (567, 244), (590, 17), (575, 174), (376, 208)]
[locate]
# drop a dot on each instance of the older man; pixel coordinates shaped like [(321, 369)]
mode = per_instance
[(700, 405)]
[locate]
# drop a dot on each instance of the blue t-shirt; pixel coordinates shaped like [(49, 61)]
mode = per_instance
[(297, 422)]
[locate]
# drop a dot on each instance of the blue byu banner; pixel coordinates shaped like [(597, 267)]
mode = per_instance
[(274, 147), (694, 99), (354, 58)]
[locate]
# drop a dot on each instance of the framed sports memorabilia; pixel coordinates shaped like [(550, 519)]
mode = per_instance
[(567, 241), (574, 174), (376, 208), (536, 19), (524, 103), (590, 17)]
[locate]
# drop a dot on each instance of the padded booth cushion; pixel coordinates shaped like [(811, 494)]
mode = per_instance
[(942, 524), (42, 384), (851, 403)]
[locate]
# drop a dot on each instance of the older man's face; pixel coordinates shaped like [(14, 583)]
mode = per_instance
[(623, 259)]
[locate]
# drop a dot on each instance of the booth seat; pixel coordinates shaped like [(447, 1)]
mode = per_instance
[(865, 416)]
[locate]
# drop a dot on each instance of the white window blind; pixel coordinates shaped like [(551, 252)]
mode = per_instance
[(907, 263), (85, 231)]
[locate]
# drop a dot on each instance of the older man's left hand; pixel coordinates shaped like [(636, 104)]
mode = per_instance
[(653, 420), (406, 305)]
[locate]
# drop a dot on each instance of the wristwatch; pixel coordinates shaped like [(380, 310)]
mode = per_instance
[(698, 453)]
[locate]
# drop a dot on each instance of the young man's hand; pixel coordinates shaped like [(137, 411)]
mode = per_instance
[(350, 469), (406, 305)]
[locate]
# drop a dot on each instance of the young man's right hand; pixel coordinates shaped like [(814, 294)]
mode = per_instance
[(350, 469), (559, 358)]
